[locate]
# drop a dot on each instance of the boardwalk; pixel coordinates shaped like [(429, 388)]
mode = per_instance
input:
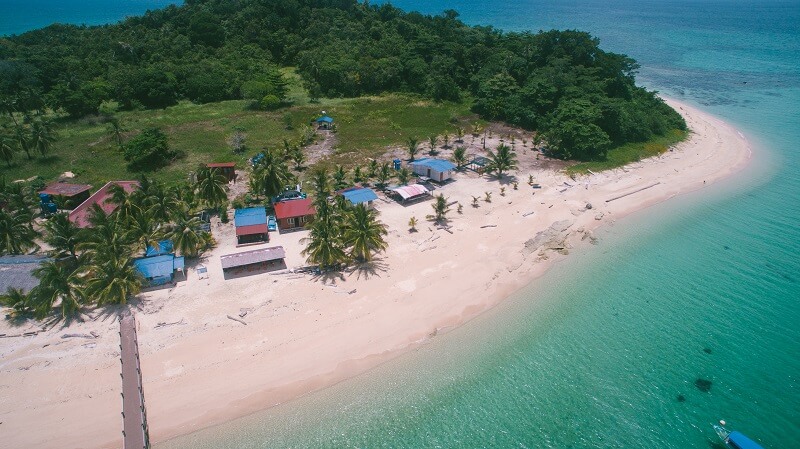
[(134, 415)]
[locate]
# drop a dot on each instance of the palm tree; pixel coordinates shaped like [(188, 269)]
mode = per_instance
[(440, 208), (446, 140), (339, 176), (432, 142), (62, 235), (20, 303), (7, 147), (413, 147), (42, 135), (124, 201), (357, 175), (162, 203), (272, 172), (324, 245), (460, 157), (363, 233), (321, 184), (403, 176), (459, 134), (298, 157), (188, 236), (115, 129), (372, 169), (143, 229), (384, 175), (16, 233), (412, 224), (211, 187), (503, 160), (107, 235), (111, 279), (58, 283)]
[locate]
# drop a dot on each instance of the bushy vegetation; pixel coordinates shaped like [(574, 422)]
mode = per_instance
[(582, 99)]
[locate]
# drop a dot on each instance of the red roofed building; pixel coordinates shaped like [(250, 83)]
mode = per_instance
[(67, 195), (226, 169), (80, 215), (294, 214)]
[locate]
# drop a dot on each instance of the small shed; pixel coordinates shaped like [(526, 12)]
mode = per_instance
[(251, 225), (226, 169), (411, 192), (66, 195), (80, 215), (159, 270), (257, 259), (17, 272), (294, 214), (324, 122), (163, 247), (359, 195), (438, 170)]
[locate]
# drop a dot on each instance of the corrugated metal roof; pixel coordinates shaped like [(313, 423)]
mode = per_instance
[(154, 267), (221, 164), (80, 215), (65, 189), (252, 229), (251, 257), (17, 272), (410, 191), (250, 216), (325, 119), (439, 165), (358, 196), (164, 247), (294, 208)]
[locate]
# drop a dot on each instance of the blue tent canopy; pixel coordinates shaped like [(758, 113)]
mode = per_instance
[(738, 440), (164, 247), (358, 196), (324, 119), (250, 216), (439, 165)]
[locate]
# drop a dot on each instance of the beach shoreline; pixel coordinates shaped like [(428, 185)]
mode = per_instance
[(206, 369)]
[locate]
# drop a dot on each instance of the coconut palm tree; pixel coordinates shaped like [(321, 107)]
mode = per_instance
[(272, 172), (16, 233), (460, 157), (459, 134), (321, 184), (324, 245), (162, 203), (339, 178), (412, 224), (298, 157), (446, 140), (143, 229), (188, 236), (20, 303), (22, 136), (62, 235), (363, 233), (357, 175), (501, 161), (440, 208), (124, 201), (107, 235), (59, 284), (111, 278), (42, 135), (115, 129), (432, 140), (372, 168), (211, 187), (8, 147), (403, 176), (413, 147), (384, 175)]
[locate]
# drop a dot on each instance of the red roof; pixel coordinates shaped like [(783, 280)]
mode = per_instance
[(294, 208), (80, 215), (252, 229), (221, 164), (65, 189)]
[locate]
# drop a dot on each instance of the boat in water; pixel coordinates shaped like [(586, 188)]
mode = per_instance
[(735, 439)]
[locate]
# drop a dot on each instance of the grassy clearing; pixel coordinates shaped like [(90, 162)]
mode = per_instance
[(632, 152), (365, 127)]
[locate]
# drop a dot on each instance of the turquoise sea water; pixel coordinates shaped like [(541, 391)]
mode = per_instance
[(595, 354)]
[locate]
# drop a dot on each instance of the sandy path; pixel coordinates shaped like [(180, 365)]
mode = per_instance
[(304, 333)]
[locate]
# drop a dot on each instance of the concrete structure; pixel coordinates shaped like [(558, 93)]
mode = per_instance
[(437, 170), (80, 215), (295, 214)]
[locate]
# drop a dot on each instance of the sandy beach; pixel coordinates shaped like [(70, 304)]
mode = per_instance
[(305, 332)]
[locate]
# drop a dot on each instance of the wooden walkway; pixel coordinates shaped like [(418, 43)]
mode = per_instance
[(134, 416)]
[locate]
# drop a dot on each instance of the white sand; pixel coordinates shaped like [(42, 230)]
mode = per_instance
[(304, 333)]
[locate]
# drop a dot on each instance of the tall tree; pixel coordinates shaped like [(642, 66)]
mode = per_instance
[(211, 186), (272, 173), (503, 160), (412, 145), (188, 236), (384, 174), (403, 176), (440, 208), (16, 233), (339, 178), (8, 146), (111, 278), (142, 228), (115, 129), (59, 284), (324, 244), (62, 235), (460, 157), (364, 233), (20, 302), (42, 135)]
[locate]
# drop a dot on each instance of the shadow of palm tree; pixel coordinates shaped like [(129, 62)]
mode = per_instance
[(368, 269), (328, 276)]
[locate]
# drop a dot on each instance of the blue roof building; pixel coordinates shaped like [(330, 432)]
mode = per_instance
[(358, 195), (438, 170), (250, 216), (164, 247), (159, 270), (324, 122)]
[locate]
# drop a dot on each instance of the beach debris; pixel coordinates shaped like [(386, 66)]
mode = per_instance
[(681, 398), (588, 205), (237, 319), (243, 312), (703, 385), (352, 291), (527, 213), (164, 324), (599, 216), (488, 226), (91, 335), (631, 193), (427, 249)]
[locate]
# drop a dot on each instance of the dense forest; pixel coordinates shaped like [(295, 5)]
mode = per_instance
[(581, 99)]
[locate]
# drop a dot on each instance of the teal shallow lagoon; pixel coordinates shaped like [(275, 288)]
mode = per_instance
[(596, 353)]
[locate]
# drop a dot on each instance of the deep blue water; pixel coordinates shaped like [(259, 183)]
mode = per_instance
[(596, 353)]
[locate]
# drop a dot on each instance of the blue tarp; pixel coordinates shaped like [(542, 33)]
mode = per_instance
[(164, 247), (359, 196), (325, 119), (738, 440), (439, 165), (156, 267), (250, 216)]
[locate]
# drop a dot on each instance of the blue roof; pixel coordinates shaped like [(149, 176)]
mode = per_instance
[(164, 247), (250, 216), (742, 442), (158, 266), (325, 119), (358, 196), (439, 165)]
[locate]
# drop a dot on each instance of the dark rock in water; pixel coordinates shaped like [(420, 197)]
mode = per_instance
[(707, 350), (681, 398), (703, 385), (727, 247)]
